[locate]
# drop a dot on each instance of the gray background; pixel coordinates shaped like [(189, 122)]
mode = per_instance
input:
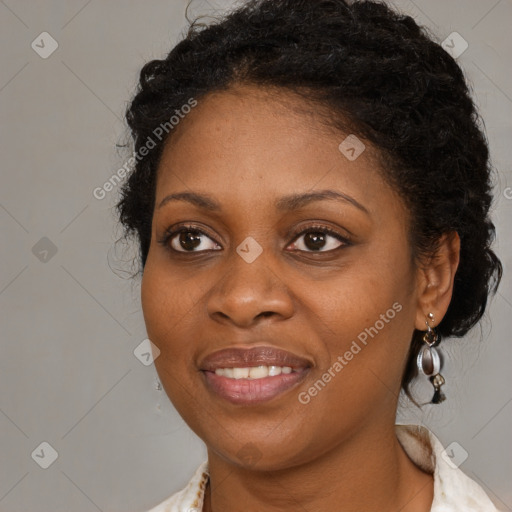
[(70, 321)]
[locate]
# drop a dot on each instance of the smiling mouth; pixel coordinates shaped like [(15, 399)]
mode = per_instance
[(252, 390), (254, 372), (251, 376)]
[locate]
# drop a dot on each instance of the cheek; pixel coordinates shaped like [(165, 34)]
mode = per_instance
[(167, 300), (356, 298), (167, 307), (156, 301), (366, 317)]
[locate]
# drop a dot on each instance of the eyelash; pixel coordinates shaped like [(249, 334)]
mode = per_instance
[(171, 232)]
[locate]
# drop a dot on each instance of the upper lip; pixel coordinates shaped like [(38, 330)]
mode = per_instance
[(240, 357)]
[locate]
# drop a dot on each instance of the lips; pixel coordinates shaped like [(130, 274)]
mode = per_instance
[(236, 357), (248, 391)]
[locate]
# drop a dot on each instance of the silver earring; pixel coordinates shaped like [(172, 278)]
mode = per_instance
[(429, 361)]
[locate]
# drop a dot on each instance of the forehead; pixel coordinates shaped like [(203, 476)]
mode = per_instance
[(251, 116), (258, 143)]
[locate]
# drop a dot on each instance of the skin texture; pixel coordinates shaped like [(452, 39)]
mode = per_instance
[(246, 148)]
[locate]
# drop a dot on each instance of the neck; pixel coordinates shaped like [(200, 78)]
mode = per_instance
[(370, 471)]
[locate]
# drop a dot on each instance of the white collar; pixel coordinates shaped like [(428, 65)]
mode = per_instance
[(453, 490)]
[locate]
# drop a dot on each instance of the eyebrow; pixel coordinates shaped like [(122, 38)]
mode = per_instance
[(285, 203)]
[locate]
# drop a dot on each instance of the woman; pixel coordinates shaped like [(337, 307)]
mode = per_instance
[(311, 195)]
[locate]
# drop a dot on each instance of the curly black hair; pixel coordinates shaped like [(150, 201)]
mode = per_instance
[(379, 75)]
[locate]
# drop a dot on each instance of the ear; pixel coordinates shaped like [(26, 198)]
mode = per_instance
[(435, 280)]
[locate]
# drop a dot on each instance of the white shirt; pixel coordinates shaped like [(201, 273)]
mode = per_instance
[(453, 490)]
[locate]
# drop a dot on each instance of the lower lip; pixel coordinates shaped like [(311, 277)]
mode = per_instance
[(252, 391)]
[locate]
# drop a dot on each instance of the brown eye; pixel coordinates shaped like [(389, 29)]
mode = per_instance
[(190, 240), (319, 240)]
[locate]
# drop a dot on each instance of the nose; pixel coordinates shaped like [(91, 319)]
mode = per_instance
[(249, 292)]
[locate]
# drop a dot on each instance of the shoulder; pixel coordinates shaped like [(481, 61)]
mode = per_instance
[(454, 491), (190, 498)]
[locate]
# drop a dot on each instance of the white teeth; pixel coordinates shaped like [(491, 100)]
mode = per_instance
[(255, 372), (258, 372), (240, 373), (274, 370)]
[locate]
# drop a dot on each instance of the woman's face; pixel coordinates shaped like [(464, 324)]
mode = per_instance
[(341, 306)]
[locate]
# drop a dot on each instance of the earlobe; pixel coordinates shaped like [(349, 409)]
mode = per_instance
[(436, 278)]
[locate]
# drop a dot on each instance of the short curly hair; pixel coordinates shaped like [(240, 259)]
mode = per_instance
[(381, 76)]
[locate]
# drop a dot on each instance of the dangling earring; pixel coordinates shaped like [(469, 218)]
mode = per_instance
[(429, 361)]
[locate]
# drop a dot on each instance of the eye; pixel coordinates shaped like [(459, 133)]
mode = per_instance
[(319, 239), (188, 239)]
